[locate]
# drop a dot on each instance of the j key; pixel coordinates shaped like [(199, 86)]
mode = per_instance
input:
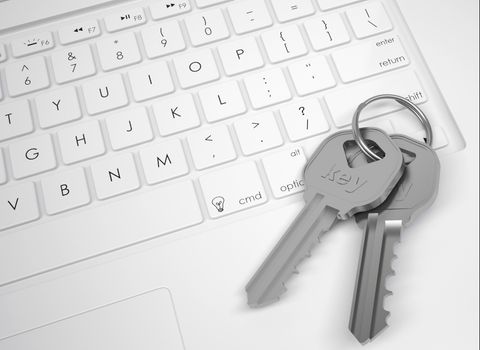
[(332, 190), (415, 191)]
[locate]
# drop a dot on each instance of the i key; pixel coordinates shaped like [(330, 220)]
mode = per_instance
[(415, 192), (333, 190)]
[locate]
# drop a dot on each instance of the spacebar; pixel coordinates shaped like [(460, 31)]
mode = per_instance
[(59, 242)]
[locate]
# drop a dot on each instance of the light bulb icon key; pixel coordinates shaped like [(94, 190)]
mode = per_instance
[(218, 202)]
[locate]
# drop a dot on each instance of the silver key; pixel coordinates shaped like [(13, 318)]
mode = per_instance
[(332, 190), (415, 192)]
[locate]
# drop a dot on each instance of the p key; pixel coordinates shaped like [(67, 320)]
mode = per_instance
[(333, 190), (415, 191)]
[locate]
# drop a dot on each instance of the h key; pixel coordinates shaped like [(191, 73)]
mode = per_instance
[(333, 190)]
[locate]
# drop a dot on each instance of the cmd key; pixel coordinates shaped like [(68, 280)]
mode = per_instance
[(333, 190)]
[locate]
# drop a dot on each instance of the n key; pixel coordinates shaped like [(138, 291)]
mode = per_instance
[(333, 190), (415, 191)]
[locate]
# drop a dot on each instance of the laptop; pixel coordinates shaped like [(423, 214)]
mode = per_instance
[(151, 154)]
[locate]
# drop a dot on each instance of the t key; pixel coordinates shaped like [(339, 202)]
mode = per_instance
[(415, 191), (332, 190)]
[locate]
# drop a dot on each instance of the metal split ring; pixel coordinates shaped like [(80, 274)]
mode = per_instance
[(401, 100)]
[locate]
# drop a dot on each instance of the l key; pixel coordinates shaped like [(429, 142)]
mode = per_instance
[(415, 191), (332, 190)]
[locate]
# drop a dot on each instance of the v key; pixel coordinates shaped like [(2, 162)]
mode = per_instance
[(20, 207), (14, 206)]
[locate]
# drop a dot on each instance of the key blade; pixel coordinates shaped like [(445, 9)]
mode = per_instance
[(268, 283), (368, 316)]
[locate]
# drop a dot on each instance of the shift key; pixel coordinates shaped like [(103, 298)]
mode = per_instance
[(370, 58), (232, 189)]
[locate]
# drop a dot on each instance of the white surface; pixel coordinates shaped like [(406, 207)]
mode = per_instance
[(113, 326), (435, 302)]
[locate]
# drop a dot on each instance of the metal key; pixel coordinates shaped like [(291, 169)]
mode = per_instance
[(332, 190), (415, 192)]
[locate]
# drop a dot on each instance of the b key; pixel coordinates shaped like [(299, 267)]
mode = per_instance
[(415, 192), (333, 190)]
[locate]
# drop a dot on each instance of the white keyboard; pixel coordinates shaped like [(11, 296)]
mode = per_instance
[(200, 108)]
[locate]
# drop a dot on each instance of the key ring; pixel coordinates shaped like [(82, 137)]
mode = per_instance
[(401, 100)]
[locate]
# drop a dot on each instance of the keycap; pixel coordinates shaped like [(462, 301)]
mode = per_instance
[(232, 189), (32, 156), (284, 171), (370, 58), (163, 39), (206, 27), (164, 9), (125, 19), (240, 56), (382, 228), (369, 19), (330, 4), (283, 44), (343, 101), (332, 190), (81, 141), (104, 94), (73, 63), (26, 76), (32, 43), (118, 51), (293, 9), (15, 119), (163, 161), (65, 190), (79, 31), (311, 75), (222, 101), (267, 88), (439, 138), (257, 133), (304, 119), (211, 147), (18, 205), (128, 128), (3, 170), (115, 175), (3, 53), (57, 107), (327, 31), (176, 114), (149, 81), (195, 68), (205, 3), (249, 15)]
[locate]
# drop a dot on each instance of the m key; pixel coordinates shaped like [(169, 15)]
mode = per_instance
[(333, 190), (415, 191)]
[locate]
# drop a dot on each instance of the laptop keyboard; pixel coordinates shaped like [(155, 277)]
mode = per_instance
[(225, 99)]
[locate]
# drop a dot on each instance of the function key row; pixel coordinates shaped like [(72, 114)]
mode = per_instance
[(205, 27)]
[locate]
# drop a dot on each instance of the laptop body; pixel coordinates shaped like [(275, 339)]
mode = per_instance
[(198, 287)]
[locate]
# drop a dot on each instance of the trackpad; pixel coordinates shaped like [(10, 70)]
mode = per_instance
[(146, 321)]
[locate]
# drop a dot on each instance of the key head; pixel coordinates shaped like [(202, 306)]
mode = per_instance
[(417, 189), (352, 189)]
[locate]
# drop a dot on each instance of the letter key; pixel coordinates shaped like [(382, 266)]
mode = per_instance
[(415, 191), (333, 190)]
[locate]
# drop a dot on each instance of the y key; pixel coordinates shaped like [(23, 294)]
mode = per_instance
[(415, 192), (332, 190)]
